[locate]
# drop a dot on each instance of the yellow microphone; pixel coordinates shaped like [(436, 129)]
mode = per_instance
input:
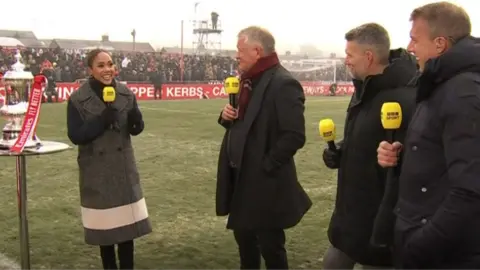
[(326, 127), (391, 115), (382, 233), (232, 87), (108, 94), (109, 98)]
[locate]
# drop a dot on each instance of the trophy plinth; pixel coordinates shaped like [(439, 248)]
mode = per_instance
[(18, 83), (21, 109)]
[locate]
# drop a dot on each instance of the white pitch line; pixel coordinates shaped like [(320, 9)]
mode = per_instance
[(7, 263)]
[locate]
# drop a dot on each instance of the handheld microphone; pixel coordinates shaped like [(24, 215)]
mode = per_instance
[(326, 127), (109, 97), (391, 116), (382, 234), (232, 87), (108, 94)]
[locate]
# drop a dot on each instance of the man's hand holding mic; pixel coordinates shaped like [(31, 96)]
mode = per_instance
[(331, 155), (388, 154), (232, 87), (109, 115), (229, 113)]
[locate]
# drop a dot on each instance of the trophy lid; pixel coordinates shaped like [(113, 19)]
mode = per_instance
[(17, 71)]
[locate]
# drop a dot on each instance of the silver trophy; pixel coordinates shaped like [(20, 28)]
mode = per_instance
[(18, 83)]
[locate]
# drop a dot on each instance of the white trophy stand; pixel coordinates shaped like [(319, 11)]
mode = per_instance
[(33, 147), (46, 147)]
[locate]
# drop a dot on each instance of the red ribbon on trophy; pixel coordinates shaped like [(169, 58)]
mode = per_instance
[(31, 117)]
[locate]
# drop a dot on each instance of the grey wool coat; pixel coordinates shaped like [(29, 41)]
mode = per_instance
[(112, 204)]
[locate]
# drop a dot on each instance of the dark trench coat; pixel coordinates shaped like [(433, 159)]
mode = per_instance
[(264, 191)]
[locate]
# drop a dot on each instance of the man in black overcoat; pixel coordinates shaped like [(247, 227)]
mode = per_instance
[(438, 208), (257, 185), (380, 75)]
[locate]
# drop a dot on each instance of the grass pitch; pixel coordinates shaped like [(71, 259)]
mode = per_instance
[(177, 160)]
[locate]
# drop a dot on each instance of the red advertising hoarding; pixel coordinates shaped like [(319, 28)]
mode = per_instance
[(145, 91)]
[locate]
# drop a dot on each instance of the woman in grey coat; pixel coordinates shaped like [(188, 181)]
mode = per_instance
[(113, 209)]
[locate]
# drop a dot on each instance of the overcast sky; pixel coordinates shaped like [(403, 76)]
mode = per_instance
[(322, 23)]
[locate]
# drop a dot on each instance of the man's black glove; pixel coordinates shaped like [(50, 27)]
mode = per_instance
[(332, 158), (109, 116)]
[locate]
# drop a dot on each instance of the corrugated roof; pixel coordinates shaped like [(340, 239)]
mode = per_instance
[(73, 43), (46, 42), (10, 42), (117, 45), (128, 46), (28, 38)]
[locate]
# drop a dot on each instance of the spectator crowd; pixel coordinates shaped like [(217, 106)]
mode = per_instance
[(70, 65)]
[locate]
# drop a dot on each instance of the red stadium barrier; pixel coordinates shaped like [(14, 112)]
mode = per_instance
[(145, 91)]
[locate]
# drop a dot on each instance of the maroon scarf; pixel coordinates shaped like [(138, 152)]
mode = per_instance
[(262, 64)]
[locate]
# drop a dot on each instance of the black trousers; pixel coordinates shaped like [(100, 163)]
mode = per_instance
[(254, 244), (125, 256)]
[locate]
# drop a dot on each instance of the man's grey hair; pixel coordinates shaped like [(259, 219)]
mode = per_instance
[(374, 36), (259, 35), (445, 20)]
